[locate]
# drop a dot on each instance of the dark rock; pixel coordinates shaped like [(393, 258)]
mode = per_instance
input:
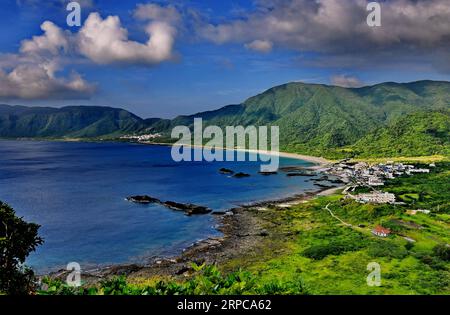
[(291, 168), (226, 171), (183, 270), (263, 233), (218, 213), (267, 173), (188, 208), (300, 174), (123, 270), (241, 175), (143, 199), (323, 186)]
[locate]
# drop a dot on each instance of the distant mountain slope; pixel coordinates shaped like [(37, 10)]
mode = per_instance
[(318, 119), (314, 119), (417, 134), (72, 121)]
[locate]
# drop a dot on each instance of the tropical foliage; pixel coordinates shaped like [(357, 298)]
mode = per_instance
[(17, 239)]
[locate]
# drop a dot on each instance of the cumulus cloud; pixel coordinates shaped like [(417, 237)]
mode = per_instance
[(106, 41), (262, 46), (34, 81), (153, 11), (52, 41), (336, 27), (32, 73), (346, 81)]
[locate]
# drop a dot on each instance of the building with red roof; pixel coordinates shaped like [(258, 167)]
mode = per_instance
[(381, 231)]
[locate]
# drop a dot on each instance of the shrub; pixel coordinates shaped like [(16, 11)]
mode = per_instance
[(381, 248), (17, 239), (442, 251)]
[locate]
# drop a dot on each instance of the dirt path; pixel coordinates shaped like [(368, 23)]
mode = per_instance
[(336, 217)]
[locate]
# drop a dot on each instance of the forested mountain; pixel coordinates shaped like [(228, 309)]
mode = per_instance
[(72, 121), (313, 118)]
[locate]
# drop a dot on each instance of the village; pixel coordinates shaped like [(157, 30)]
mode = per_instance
[(362, 174), (373, 177)]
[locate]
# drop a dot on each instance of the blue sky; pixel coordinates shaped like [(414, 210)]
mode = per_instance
[(222, 52)]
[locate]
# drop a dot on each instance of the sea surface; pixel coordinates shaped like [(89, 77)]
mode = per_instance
[(76, 191)]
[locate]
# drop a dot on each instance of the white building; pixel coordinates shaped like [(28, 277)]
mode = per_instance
[(376, 197)]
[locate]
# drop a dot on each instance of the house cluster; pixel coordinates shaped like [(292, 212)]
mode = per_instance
[(373, 197), (141, 138), (364, 174)]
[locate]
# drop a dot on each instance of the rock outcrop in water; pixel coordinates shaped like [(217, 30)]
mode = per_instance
[(226, 171), (267, 173), (241, 175), (143, 199), (188, 208), (300, 174)]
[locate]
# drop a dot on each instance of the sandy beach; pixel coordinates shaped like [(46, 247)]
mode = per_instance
[(242, 229), (321, 161)]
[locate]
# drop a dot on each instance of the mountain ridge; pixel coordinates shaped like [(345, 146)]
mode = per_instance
[(316, 119)]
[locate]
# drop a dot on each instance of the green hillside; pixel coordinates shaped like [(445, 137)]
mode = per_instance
[(324, 120), (72, 121), (314, 119), (417, 134)]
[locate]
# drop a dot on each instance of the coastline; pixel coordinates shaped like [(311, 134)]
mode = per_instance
[(242, 228), (321, 161)]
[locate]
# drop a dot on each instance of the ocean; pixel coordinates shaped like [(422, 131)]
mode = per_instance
[(76, 191)]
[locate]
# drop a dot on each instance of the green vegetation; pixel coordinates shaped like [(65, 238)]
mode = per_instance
[(336, 122), (417, 134), (66, 122), (425, 191), (17, 239), (207, 280), (311, 252), (384, 120), (332, 258)]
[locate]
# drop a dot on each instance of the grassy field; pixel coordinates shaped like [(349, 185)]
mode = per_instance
[(332, 258)]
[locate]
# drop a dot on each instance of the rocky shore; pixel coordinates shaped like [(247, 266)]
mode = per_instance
[(242, 228), (188, 208)]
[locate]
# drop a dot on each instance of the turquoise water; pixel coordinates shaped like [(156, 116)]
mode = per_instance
[(76, 191)]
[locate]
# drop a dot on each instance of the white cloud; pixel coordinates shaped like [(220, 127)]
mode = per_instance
[(32, 73), (346, 81), (336, 27), (153, 11), (53, 40), (38, 81), (263, 46), (105, 41)]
